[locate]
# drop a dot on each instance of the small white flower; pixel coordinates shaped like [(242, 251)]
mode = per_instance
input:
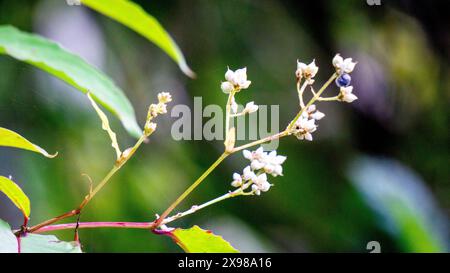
[(347, 95), (237, 180), (258, 154), (247, 154), (226, 87), (304, 128), (164, 97), (273, 163), (261, 184), (269, 162), (238, 79), (250, 107), (150, 127), (266, 163), (343, 65), (312, 113), (317, 115), (307, 71), (249, 175), (255, 189), (257, 165)]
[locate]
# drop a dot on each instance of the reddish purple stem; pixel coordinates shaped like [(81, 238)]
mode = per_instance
[(139, 225)]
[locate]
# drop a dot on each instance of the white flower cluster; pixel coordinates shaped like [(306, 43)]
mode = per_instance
[(306, 124), (262, 162), (161, 107), (343, 68), (236, 81), (249, 108), (156, 109)]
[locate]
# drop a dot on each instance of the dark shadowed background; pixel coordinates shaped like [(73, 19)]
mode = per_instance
[(378, 169)]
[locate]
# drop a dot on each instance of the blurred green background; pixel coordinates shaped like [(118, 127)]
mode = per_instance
[(378, 169)]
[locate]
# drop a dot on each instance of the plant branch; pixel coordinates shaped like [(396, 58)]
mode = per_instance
[(228, 110), (126, 155), (196, 208), (140, 225), (300, 91), (136, 225), (284, 133), (316, 96), (260, 141)]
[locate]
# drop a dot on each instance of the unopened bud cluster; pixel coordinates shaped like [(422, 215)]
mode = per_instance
[(156, 109)]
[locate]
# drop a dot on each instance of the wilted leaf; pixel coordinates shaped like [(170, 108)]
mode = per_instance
[(70, 68), (10, 138), (16, 195), (133, 16), (197, 240), (8, 241), (35, 243), (105, 126)]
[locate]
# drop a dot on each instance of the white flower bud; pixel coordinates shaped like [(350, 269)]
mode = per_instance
[(343, 65), (307, 71), (227, 87), (250, 107), (237, 180), (347, 95), (164, 97)]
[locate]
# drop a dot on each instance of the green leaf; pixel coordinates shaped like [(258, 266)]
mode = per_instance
[(72, 69), (197, 240), (10, 138), (16, 195), (402, 201), (133, 16), (35, 243), (8, 241)]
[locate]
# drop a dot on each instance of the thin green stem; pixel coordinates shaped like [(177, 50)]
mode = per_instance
[(120, 162), (316, 96), (228, 112), (190, 189), (328, 99), (260, 141), (300, 91), (196, 208)]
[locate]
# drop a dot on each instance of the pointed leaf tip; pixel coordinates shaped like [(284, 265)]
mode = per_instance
[(10, 138)]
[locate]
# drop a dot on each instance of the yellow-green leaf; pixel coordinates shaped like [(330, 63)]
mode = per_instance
[(197, 240), (10, 138), (15, 194), (106, 127), (133, 16)]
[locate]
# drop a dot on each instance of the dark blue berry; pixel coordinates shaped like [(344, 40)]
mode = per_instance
[(343, 80)]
